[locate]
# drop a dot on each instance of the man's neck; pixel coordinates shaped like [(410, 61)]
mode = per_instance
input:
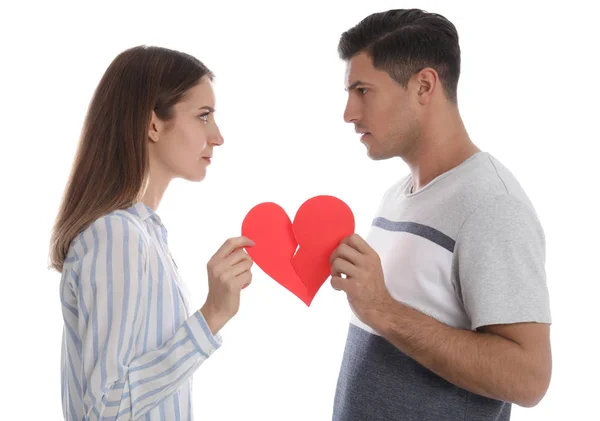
[(442, 148)]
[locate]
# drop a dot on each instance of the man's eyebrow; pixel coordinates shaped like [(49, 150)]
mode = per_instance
[(355, 84)]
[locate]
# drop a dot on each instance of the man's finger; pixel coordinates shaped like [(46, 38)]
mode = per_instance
[(357, 243), (348, 253), (340, 266), (345, 251), (339, 283)]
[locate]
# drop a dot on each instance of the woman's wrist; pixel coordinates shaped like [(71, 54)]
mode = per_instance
[(214, 319)]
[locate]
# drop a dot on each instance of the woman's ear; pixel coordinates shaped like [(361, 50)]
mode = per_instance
[(154, 128)]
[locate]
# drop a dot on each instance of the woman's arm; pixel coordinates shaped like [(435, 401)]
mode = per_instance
[(113, 291)]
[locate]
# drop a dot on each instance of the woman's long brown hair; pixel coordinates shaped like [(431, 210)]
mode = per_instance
[(111, 165)]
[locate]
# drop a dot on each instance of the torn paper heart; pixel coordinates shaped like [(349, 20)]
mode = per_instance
[(297, 255)]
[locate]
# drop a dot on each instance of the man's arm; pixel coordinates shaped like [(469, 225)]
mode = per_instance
[(510, 362), (506, 362)]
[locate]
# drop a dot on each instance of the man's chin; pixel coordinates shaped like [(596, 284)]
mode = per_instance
[(377, 156)]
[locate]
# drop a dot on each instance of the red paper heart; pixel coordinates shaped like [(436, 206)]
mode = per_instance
[(297, 255)]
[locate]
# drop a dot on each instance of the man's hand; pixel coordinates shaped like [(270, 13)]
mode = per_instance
[(505, 362), (364, 284)]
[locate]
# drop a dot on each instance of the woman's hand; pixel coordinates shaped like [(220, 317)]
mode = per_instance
[(228, 273)]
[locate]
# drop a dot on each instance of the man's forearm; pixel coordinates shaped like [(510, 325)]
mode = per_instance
[(482, 363)]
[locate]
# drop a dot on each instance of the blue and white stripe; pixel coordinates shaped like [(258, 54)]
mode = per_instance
[(130, 344)]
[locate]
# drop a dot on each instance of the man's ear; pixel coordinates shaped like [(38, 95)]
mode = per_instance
[(427, 82)]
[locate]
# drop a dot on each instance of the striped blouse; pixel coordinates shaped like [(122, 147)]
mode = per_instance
[(130, 344)]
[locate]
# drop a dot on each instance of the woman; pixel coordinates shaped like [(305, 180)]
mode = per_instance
[(130, 342)]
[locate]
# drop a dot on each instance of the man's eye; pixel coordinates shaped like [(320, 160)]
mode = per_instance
[(363, 90)]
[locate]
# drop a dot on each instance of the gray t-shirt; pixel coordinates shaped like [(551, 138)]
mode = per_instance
[(468, 250)]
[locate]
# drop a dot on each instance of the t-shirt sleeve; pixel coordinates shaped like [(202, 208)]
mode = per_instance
[(499, 260)]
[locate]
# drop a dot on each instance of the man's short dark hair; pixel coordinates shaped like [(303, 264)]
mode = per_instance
[(402, 42)]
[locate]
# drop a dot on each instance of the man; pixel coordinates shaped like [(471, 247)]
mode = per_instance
[(450, 305)]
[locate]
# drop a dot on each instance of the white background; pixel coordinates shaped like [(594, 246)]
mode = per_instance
[(528, 94)]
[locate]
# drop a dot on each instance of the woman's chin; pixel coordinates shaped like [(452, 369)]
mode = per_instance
[(199, 178), (196, 177)]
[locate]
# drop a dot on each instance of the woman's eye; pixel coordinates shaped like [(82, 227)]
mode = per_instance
[(204, 117)]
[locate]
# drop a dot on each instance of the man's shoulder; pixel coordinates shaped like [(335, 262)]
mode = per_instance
[(487, 182)]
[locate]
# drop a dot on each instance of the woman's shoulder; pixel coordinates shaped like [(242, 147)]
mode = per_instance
[(120, 228), (118, 223)]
